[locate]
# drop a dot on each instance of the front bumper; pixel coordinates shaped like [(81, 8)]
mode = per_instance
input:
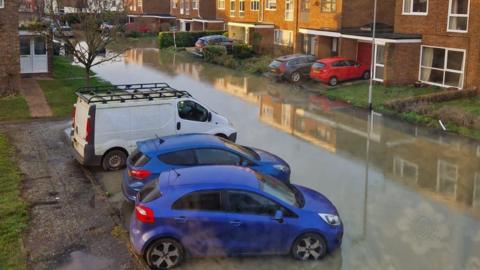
[(334, 238)]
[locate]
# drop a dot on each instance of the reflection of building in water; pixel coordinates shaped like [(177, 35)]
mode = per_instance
[(446, 170), (133, 56), (237, 86)]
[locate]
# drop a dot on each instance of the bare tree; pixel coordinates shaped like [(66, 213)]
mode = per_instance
[(97, 24)]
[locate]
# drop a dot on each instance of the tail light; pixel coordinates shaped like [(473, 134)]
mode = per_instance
[(88, 128), (139, 174), (282, 67), (74, 111), (144, 214)]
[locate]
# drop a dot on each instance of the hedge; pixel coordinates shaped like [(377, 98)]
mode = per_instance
[(183, 39), (211, 52), (242, 51)]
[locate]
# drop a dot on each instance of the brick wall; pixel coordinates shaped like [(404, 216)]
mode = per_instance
[(207, 9), (147, 6), (356, 13), (401, 63), (348, 48), (9, 48)]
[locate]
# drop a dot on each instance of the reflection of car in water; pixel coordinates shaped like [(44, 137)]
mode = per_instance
[(230, 211)]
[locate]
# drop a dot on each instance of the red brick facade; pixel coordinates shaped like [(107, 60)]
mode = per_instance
[(9, 48), (196, 15)]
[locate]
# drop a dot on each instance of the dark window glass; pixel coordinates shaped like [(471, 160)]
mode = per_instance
[(204, 200), (337, 64), (250, 203), (24, 46), (217, 157), (40, 46), (328, 5), (182, 158), (349, 63), (149, 192), (139, 159), (190, 110)]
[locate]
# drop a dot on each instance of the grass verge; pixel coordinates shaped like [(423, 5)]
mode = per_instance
[(67, 78), (13, 210), (13, 108)]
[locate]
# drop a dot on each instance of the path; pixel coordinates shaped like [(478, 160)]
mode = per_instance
[(37, 103)]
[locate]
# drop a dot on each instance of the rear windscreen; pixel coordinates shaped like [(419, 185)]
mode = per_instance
[(149, 192), (275, 64), (139, 159), (318, 65)]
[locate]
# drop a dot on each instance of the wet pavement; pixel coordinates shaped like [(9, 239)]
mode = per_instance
[(409, 196)]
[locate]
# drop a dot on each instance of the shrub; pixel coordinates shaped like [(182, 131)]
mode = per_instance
[(183, 39), (242, 51), (211, 52), (133, 34), (457, 116), (257, 65)]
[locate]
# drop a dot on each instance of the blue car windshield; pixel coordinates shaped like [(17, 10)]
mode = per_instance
[(284, 192)]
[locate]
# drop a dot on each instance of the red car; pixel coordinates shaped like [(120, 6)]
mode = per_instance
[(335, 69)]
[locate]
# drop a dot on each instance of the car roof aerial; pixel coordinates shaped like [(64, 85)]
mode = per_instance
[(167, 144)]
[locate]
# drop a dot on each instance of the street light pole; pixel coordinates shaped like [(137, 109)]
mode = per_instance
[(372, 64)]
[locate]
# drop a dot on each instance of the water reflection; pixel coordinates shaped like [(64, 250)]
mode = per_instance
[(410, 197)]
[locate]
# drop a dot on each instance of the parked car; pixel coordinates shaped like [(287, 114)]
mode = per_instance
[(213, 40), (158, 155), (230, 211), (335, 69), (109, 120), (291, 67)]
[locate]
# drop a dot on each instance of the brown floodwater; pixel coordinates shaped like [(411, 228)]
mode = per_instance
[(409, 196)]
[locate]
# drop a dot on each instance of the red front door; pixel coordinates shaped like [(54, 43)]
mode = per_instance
[(364, 53)]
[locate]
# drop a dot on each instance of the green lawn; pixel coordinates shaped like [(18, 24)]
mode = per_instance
[(357, 94), (471, 105), (13, 210), (13, 108), (67, 78)]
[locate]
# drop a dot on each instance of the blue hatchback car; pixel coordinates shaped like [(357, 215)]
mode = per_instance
[(172, 152), (230, 211)]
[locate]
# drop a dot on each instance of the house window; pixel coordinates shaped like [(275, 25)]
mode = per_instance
[(405, 169), (305, 5), (254, 5), (187, 7), (476, 191), (140, 3), (442, 66), (241, 8), (328, 6), (447, 176), (182, 6), (195, 4), (458, 15), (2, 4), (221, 4), (283, 37), (232, 8), (289, 10), (415, 7), (271, 4), (174, 3), (379, 62)]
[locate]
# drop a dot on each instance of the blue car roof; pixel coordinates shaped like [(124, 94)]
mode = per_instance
[(220, 176), (167, 144)]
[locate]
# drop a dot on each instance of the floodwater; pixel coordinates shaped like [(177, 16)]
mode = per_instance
[(409, 197)]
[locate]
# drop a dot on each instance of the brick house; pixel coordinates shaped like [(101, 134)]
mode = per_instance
[(265, 24), (148, 15), (9, 47), (196, 15)]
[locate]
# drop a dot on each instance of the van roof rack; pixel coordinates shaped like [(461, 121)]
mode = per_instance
[(123, 92)]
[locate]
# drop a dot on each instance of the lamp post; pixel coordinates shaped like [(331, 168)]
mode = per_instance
[(372, 65)]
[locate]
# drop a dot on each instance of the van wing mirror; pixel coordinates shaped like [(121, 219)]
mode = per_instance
[(209, 117)]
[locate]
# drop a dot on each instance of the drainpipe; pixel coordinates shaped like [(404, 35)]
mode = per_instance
[(372, 65)]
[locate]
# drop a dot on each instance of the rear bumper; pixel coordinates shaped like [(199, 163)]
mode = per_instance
[(128, 193), (89, 158)]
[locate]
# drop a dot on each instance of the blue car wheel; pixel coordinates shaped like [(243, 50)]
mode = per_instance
[(164, 253), (309, 246)]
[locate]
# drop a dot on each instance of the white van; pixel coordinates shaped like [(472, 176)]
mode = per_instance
[(109, 120)]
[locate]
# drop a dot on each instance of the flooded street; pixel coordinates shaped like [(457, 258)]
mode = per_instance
[(409, 197)]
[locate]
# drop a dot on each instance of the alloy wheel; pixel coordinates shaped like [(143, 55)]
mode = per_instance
[(164, 255), (296, 77), (309, 247)]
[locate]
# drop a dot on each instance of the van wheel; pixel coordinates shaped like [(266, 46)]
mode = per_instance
[(114, 160), (333, 81)]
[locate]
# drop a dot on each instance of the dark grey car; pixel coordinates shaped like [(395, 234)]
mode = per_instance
[(291, 67), (213, 40)]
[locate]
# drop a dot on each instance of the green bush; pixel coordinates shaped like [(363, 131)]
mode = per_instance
[(210, 52), (257, 65), (242, 51), (133, 34), (183, 39)]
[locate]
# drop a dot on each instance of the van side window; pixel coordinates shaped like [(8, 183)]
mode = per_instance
[(190, 110)]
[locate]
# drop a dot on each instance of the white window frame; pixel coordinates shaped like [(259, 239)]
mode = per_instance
[(289, 13), (412, 13), (375, 65), (2, 3), (254, 5), (195, 4), (402, 163), (182, 6), (174, 3), (279, 41), (450, 15), (269, 5), (187, 7), (241, 11), (232, 11), (221, 4), (444, 69), (440, 161)]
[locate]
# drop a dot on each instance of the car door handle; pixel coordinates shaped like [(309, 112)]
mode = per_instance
[(179, 125), (235, 223), (180, 219)]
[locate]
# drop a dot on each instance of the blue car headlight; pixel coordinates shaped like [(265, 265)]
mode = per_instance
[(281, 168), (331, 219)]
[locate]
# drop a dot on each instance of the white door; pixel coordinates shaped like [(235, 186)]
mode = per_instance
[(192, 118), (33, 55)]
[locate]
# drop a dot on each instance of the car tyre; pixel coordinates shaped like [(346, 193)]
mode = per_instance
[(333, 81), (114, 160), (309, 246), (295, 77), (164, 253), (366, 75)]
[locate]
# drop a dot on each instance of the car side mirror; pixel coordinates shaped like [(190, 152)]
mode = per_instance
[(245, 163), (209, 117), (278, 216)]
